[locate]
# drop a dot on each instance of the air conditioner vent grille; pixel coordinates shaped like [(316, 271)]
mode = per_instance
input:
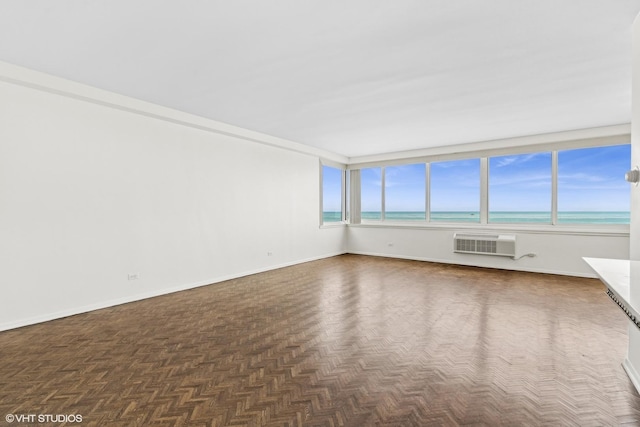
[(470, 245), (485, 244)]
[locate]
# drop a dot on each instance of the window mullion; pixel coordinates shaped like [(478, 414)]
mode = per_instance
[(343, 198), (355, 208)]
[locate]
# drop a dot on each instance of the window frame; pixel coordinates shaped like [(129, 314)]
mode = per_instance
[(556, 199), (343, 193), (484, 156)]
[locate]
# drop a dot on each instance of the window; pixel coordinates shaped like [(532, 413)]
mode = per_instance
[(520, 188), (591, 186), (574, 186), (331, 194), (371, 193), (455, 191), (405, 192)]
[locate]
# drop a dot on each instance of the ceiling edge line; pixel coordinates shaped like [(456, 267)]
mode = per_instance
[(43, 82), (622, 130)]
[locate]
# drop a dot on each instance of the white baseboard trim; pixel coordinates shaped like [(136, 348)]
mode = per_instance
[(145, 295), (632, 373), (458, 262), (131, 298)]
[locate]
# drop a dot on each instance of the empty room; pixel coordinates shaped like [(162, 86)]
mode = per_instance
[(319, 213)]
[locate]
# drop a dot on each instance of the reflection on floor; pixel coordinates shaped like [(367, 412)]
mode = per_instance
[(350, 340)]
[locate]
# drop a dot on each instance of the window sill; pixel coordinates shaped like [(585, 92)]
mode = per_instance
[(334, 225), (621, 230)]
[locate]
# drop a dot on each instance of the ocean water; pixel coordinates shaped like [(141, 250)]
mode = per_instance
[(331, 216), (594, 217), (497, 217)]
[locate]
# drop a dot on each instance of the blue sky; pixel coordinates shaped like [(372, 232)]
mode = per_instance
[(331, 189), (370, 188), (520, 183), (589, 179), (405, 188), (592, 179), (455, 186)]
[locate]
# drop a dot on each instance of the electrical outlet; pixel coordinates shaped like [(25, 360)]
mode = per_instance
[(133, 276), (269, 253)]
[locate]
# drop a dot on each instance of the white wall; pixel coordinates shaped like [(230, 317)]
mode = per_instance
[(91, 192), (95, 186), (555, 252), (632, 364), (559, 249)]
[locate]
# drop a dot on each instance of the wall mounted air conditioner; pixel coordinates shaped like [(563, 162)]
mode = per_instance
[(485, 244)]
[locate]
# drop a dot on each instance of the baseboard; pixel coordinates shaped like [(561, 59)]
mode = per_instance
[(632, 373), (145, 295), (469, 264)]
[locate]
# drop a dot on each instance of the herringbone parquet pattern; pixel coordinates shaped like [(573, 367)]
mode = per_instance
[(346, 341)]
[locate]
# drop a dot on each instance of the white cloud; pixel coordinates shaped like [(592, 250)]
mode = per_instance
[(523, 158)]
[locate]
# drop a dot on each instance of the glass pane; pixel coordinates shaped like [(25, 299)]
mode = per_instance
[(331, 194), (520, 188), (591, 185), (371, 193), (455, 191), (404, 195)]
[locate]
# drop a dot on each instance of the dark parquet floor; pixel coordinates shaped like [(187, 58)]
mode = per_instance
[(345, 341)]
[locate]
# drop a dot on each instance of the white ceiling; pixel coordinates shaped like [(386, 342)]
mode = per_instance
[(356, 77)]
